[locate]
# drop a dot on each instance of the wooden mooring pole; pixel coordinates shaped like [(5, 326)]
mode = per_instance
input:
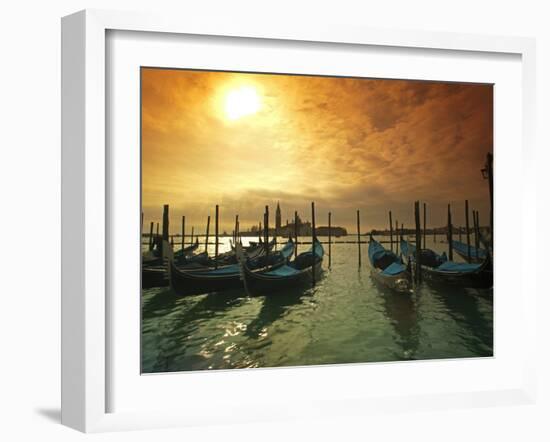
[(391, 233), (165, 229), (192, 234), (358, 238), (295, 234), (467, 215), (450, 232), (396, 237), (165, 221), (476, 227), (266, 231), (217, 233), (207, 234), (151, 236), (489, 169), (183, 232), (424, 227), (236, 228), (418, 237), (329, 240), (313, 237)]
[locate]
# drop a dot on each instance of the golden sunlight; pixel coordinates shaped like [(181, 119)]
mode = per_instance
[(241, 102)]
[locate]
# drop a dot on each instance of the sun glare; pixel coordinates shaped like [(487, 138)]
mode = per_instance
[(241, 102)]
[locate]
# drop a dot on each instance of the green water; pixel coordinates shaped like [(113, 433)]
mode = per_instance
[(345, 318)]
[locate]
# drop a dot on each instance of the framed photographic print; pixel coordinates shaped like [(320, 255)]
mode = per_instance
[(307, 162), (305, 212)]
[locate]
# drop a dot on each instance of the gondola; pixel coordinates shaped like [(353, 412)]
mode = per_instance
[(187, 250), (154, 257), (252, 251), (438, 269), (227, 277), (477, 255), (387, 268), (280, 277), (154, 273), (251, 245)]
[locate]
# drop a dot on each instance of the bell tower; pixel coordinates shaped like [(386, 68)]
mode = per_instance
[(278, 223)]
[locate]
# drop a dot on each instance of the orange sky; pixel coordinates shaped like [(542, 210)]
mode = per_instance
[(345, 143)]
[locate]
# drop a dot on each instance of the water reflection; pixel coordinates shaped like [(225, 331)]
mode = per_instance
[(274, 307), (175, 322), (346, 317), (465, 307), (401, 310)]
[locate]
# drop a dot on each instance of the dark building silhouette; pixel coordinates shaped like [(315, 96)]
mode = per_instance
[(278, 218), (302, 228)]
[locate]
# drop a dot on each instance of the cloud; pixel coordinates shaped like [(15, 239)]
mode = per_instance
[(345, 143)]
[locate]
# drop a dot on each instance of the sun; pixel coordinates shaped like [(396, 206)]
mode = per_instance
[(241, 102)]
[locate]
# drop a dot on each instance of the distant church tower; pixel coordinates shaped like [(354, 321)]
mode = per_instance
[(278, 223)]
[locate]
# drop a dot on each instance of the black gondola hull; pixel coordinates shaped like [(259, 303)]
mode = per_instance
[(480, 279), (186, 283), (154, 276), (258, 283)]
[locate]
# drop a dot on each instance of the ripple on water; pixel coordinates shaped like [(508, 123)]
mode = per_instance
[(345, 318)]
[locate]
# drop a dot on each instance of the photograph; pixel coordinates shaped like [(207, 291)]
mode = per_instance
[(303, 220)]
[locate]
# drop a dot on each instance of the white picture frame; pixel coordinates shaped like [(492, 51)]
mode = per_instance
[(85, 215)]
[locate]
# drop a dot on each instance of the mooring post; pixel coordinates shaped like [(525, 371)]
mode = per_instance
[(266, 228), (217, 232), (295, 234), (358, 238), (424, 228), (313, 238), (165, 221), (418, 266), (467, 215), (329, 239), (391, 233), (236, 227), (158, 224), (151, 236), (264, 235), (276, 231), (207, 234), (476, 227), (475, 232), (450, 232), (489, 168), (165, 228), (183, 232), (478, 230), (396, 237), (192, 233), (260, 232)]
